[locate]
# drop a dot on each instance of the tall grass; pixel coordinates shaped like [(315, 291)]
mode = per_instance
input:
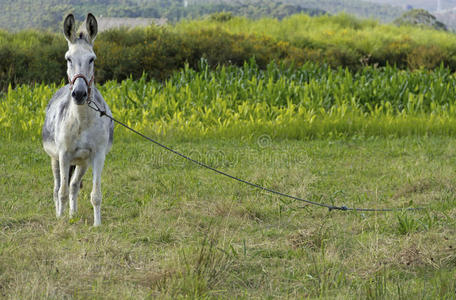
[(285, 102)]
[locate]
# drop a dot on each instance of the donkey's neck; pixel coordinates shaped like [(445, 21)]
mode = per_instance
[(82, 115)]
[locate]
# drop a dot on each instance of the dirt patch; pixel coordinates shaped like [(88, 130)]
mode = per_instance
[(411, 256), (153, 280), (309, 238)]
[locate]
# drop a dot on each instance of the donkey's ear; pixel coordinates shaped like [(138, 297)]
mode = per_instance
[(92, 26), (68, 28)]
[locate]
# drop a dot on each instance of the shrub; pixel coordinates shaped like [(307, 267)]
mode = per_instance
[(426, 56), (341, 41), (221, 16)]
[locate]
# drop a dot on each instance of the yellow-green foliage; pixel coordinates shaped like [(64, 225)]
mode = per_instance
[(343, 40), (338, 41), (307, 102)]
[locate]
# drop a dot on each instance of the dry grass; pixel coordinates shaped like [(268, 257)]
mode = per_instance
[(173, 230)]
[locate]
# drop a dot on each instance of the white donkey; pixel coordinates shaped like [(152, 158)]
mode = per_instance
[(74, 135)]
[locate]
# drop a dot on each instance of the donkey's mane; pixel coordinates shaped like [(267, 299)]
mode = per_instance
[(83, 35)]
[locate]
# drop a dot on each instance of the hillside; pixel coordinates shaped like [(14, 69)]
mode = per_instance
[(359, 8), (48, 14), (430, 5)]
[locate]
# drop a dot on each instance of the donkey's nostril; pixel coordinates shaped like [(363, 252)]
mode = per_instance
[(79, 95)]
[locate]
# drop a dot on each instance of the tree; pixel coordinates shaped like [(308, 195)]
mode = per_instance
[(420, 17)]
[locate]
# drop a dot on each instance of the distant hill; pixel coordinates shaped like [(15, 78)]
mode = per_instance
[(48, 14), (422, 18), (429, 5), (359, 8), (446, 14)]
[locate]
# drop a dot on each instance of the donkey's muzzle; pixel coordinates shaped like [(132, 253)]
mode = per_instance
[(79, 93), (79, 96)]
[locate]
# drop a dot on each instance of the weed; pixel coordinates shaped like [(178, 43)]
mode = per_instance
[(407, 223)]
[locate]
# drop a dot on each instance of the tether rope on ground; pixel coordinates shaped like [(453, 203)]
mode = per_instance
[(95, 107)]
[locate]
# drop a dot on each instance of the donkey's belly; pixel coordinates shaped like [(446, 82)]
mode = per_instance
[(80, 156)]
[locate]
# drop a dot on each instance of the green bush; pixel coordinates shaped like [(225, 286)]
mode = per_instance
[(31, 56), (221, 16), (340, 41)]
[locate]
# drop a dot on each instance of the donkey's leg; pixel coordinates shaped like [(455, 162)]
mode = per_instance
[(64, 164), (74, 187), (56, 172), (95, 196)]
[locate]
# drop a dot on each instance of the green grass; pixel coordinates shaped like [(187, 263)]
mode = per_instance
[(374, 138), (173, 230)]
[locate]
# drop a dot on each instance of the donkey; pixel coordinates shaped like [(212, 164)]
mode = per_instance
[(74, 135)]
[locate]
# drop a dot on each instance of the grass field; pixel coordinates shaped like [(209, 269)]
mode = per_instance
[(173, 230), (377, 138)]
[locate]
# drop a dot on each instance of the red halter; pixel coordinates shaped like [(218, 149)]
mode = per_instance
[(89, 83)]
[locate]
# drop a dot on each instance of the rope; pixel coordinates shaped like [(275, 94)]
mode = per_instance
[(95, 107)]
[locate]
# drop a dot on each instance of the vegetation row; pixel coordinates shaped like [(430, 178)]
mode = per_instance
[(47, 14), (340, 41), (312, 101)]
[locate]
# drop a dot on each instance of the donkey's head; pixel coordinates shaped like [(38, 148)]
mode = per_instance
[(80, 56)]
